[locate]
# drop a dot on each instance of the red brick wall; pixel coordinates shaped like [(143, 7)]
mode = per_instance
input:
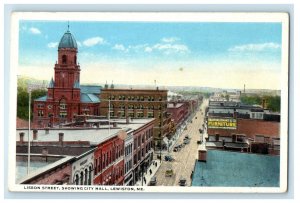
[(103, 172), (251, 127)]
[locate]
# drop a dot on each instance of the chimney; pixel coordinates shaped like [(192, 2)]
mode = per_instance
[(217, 137), (35, 134), (202, 154), (45, 151), (61, 138), (46, 131), (21, 137)]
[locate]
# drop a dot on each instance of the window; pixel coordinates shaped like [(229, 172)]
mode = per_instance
[(64, 59), (40, 105), (96, 169), (75, 60), (40, 113)]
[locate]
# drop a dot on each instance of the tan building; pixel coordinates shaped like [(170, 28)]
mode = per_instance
[(138, 103)]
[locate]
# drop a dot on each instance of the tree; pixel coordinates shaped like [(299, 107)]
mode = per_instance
[(23, 101)]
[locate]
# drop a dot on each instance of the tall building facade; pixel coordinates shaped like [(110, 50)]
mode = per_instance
[(138, 103), (66, 98)]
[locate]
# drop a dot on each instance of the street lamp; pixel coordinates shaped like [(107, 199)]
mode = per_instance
[(31, 87)]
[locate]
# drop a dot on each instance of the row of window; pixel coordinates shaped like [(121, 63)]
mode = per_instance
[(128, 149), (141, 153), (143, 138), (128, 166), (135, 98), (107, 158), (139, 106), (84, 177)]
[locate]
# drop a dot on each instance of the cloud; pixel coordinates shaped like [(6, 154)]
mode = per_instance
[(148, 49), (120, 47), (52, 44), (255, 47), (171, 48), (34, 31), (170, 39), (93, 41), (79, 44)]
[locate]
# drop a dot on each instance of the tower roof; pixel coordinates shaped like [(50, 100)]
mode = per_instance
[(67, 41)]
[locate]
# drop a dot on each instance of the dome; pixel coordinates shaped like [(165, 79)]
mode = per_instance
[(67, 41)]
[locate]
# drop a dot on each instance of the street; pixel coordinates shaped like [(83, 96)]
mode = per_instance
[(184, 162)]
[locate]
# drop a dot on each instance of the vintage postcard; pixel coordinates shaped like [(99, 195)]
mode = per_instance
[(149, 102)]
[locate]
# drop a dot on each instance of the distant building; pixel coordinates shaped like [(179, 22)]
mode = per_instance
[(179, 112), (66, 98), (234, 126), (138, 103)]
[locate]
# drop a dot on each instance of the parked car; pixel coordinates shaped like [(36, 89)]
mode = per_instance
[(182, 182), (153, 181), (169, 158), (186, 141), (169, 172)]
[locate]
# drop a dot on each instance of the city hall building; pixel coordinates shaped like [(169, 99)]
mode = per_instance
[(66, 98)]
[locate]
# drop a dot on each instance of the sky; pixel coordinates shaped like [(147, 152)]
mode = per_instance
[(224, 55)]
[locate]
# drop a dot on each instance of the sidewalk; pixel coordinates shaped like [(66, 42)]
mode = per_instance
[(147, 175)]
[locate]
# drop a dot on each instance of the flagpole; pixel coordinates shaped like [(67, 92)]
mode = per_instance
[(28, 161)]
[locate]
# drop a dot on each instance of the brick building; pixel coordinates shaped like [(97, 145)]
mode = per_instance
[(138, 103), (109, 161), (179, 112), (234, 126), (66, 98), (97, 155)]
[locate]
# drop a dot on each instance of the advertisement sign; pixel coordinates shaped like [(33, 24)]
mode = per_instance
[(224, 123)]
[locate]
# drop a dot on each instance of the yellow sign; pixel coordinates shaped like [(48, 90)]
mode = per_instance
[(225, 123)]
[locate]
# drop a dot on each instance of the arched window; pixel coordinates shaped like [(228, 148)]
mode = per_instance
[(75, 59), (85, 176), (64, 59), (77, 179)]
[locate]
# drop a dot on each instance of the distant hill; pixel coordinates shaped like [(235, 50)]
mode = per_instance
[(23, 82)]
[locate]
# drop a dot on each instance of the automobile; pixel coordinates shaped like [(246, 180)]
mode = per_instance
[(153, 181), (187, 137), (182, 182), (186, 141), (169, 172), (169, 158), (175, 149)]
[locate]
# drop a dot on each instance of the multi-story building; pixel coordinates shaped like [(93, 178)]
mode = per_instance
[(234, 126), (95, 155), (66, 98), (138, 103), (179, 112), (128, 160)]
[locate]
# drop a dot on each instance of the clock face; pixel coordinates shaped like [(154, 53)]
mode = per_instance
[(49, 106)]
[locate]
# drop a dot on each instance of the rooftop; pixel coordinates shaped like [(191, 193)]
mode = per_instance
[(67, 41), (174, 105), (94, 136), (235, 169), (37, 164)]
